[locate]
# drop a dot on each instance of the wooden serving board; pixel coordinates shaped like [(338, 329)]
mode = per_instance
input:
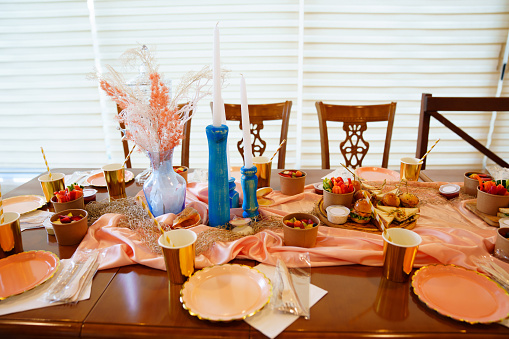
[(350, 225), (491, 220)]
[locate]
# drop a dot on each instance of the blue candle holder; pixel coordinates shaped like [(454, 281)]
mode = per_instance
[(249, 183), (219, 197), (234, 195)]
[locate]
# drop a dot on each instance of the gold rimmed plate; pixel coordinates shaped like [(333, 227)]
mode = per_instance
[(461, 294), (376, 174), (98, 179), (24, 203), (226, 292), (24, 271)]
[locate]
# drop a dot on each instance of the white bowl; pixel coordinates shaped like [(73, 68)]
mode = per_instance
[(337, 214)]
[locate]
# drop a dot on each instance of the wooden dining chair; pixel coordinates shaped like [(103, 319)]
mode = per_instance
[(257, 115), (184, 158), (354, 148), (431, 106)]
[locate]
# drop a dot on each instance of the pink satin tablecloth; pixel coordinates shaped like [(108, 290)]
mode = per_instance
[(451, 235)]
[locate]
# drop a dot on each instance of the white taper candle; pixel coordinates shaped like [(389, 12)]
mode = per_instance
[(216, 108), (246, 125), (223, 121)]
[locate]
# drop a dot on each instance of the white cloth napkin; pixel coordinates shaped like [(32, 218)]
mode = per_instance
[(33, 219), (271, 322), (36, 298), (340, 172)]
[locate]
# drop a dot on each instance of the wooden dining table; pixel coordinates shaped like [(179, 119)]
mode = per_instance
[(136, 301)]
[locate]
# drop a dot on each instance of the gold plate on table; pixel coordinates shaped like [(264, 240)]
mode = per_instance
[(24, 203), (491, 220), (461, 294), (350, 225), (98, 179), (24, 271), (226, 292)]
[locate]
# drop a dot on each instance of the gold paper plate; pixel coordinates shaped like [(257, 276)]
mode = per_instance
[(24, 203), (226, 292)]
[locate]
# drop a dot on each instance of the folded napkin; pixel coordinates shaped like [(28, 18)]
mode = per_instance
[(271, 322), (79, 177), (74, 277), (340, 172), (36, 297), (33, 219)]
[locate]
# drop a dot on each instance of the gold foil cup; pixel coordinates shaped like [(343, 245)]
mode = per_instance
[(263, 171), (410, 169), (391, 301), (50, 186), (115, 180), (10, 235), (399, 253), (179, 251)]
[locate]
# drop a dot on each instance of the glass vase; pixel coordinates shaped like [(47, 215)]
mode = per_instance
[(165, 190)]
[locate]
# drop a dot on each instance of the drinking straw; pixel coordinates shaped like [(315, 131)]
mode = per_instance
[(46, 162), (280, 145), (145, 207), (424, 156), (377, 217), (349, 170), (1, 207), (127, 158)]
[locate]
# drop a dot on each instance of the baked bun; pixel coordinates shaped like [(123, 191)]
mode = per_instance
[(360, 195), (391, 199), (361, 212), (409, 200)]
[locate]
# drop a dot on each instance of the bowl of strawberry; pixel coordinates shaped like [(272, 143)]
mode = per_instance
[(292, 181), (491, 197), (70, 226), (300, 229), (70, 198), (337, 191)]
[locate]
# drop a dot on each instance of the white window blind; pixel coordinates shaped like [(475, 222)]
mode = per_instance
[(372, 52), (363, 52)]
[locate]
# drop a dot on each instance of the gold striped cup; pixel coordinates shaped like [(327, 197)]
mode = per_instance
[(10, 235), (263, 170), (399, 253), (52, 184), (179, 254), (410, 169), (115, 180)]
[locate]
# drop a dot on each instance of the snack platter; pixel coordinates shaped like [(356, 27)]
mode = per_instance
[(369, 206), (369, 227)]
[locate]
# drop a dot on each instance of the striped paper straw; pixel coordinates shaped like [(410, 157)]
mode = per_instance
[(1, 207), (145, 207), (377, 217), (46, 162), (424, 156), (127, 158)]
